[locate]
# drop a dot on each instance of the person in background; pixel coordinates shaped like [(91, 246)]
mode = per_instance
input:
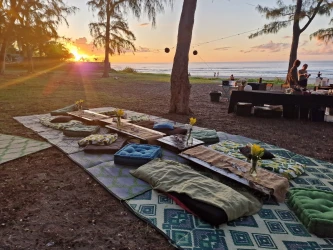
[(218, 74), (214, 74), (303, 76), (292, 79), (232, 78), (319, 75)]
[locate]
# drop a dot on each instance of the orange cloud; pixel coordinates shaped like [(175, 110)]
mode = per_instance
[(222, 48), (321, 49), (144, 24), (270, 47)]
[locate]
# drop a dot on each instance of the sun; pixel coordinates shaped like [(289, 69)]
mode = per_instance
[(75, 51)]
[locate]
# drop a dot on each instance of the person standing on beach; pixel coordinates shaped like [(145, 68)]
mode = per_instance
[(232, 78), (292, 79), (303, 76)]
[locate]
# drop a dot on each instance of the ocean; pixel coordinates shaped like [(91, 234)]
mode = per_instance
[(238, 69)]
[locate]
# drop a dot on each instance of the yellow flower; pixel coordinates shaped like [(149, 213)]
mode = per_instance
[(257, 151), (120, 112), (193, 121), (81, 101)]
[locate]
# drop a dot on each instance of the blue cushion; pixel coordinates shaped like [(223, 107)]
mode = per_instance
[(164, 125), (137, 154)]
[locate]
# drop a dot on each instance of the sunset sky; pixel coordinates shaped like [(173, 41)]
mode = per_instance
[(214, 20)]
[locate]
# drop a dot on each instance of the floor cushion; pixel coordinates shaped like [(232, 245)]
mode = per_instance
[(46, 121), (174, 131), (81, 131), (170, 176), (106, 139), (62, 119), (208, 213), (106, 149), (65, 110), (286, 167), (164, 125), (206, 135), (314, 208), (137, 154)]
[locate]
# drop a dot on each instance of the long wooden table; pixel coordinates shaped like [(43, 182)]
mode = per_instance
[(132, 130), (88, 116), (228, 174), (279, 98)]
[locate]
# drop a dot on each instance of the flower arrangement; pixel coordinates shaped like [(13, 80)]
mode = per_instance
[(79, 104), (119, 114), (256, 153), (189, 140)]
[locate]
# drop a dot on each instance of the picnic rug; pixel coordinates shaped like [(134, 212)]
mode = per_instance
[(13, 147), (274, 227)]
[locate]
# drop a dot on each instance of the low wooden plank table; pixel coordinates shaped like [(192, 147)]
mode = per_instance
[(88, 116), (144, 134), (177, 143), (228, 174)]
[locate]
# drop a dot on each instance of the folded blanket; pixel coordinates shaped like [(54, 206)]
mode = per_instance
[(47, 121), (98, 140), (264, 178), (171, 176), (286, 167), (206, 135), (65, 110), (81, 130)]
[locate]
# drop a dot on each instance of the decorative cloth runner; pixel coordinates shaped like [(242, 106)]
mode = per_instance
[(286, 167), (265, 178)]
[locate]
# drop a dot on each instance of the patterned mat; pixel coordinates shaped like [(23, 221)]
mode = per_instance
[(318, 174), (274, 227), (118, 180), (13, 147)]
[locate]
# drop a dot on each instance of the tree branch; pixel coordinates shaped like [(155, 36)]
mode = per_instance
[(313, 16)]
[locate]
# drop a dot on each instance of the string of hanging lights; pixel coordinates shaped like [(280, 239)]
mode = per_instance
[(195, 52)]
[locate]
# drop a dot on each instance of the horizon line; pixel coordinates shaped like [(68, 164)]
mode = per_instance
[(217, 62)]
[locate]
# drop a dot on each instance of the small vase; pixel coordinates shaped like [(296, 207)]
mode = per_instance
[(189, 137), (118, 122), (253, 170), (80, 111), (189, 140)]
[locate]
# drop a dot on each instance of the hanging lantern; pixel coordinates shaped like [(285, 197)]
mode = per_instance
[(167, 50), (195, 52)]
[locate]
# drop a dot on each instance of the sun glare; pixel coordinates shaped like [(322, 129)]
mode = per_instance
[(75, 51)]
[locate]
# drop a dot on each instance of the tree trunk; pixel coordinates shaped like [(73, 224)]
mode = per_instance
[(106, 72), (296, 35), (3, 56), (180, 84)]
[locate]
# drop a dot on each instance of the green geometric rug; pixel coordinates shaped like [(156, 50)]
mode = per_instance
[(273, 227), (13, 147)]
